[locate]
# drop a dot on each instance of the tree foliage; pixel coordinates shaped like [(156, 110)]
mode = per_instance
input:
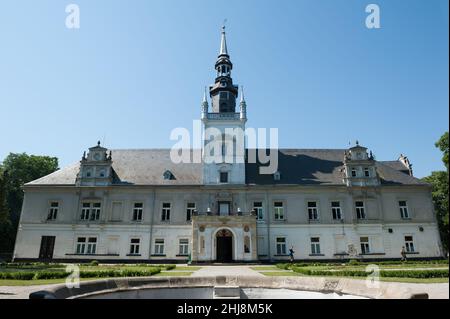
[(15, 171), (439, 183)]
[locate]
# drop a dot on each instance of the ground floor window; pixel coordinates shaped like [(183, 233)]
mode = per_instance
[(135, 244), (365, 248), (159, 247), (281, 246), (86, 245), (409, 244), (315, 245), (184, 247)]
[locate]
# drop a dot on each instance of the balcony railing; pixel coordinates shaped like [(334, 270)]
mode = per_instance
[(221, 116), (251, 213)]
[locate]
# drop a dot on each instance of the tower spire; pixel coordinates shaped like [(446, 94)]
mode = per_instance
[(223, 41)]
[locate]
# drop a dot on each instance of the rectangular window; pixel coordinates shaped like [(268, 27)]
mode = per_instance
[(138, 208), (184, 247), (91, 245), (53, 211), (278, 210), (90, 211), (336, 210), (312, 211), (360, 210), (403, 209), (165, 214), (409, 244), (224, 177), (258, 208), (135, 244), (281, 246), (315, 245), (366, 172), (81, 245), (365, 248), (190, 209), (224, 208), (159, 246), (353, 172)]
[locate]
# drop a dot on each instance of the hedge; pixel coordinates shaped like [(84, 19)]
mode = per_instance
[(429, 273), (29, 275)]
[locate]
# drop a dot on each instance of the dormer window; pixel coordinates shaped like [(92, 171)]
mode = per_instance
[(277, 176), (168, 175)]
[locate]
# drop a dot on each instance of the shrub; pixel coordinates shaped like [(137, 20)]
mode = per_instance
[(50, 275), (429, 273), (93, 263), (284, 266), (169, 267), (353, 262), (20, 275)]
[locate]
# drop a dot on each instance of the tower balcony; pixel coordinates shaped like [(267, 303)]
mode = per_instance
[(223, 116)]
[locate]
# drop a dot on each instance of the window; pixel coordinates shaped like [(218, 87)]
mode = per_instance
[(315, 245), (159, 246), (90, 211), (184, 247), (86, 245), (102, 173), (360, 211), (365, 248), (92, 245), (281, 246), (366, 172), (353, 172), (190, 209), (223, 177), (279, 210), (409, 244), (403, 209), (258, 208), (224, 208), (277, 176), (137, 211), (135, 246), (336, 210), (165, 214), (53, 211), (312, 211), (81, 245)]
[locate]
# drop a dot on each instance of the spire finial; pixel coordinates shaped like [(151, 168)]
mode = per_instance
[(242, 94), (205, 99), (98, 143), (223, 42)]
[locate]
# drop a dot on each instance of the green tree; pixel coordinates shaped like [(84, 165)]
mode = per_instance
[(17, 170), (439, 184), (442, 144)]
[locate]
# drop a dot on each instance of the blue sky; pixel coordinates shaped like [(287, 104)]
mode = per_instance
[(136, 69)]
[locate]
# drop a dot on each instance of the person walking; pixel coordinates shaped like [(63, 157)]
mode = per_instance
[(403, 253), (291, 254)]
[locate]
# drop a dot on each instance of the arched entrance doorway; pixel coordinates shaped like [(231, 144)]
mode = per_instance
[(224, 246)]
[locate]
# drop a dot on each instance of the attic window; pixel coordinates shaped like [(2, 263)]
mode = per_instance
[(168, 175), (277, 176)]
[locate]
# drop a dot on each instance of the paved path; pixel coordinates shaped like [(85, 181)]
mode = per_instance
[(20, 292), (212, 271)]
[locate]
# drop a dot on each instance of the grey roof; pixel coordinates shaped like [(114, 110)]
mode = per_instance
[(297, 167)]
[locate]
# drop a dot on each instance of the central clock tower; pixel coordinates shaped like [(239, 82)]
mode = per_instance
[(228, 166)]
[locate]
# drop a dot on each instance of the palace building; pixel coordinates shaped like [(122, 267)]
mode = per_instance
[(137, 205)]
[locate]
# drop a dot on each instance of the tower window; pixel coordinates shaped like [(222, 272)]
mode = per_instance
[(223, 177)]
